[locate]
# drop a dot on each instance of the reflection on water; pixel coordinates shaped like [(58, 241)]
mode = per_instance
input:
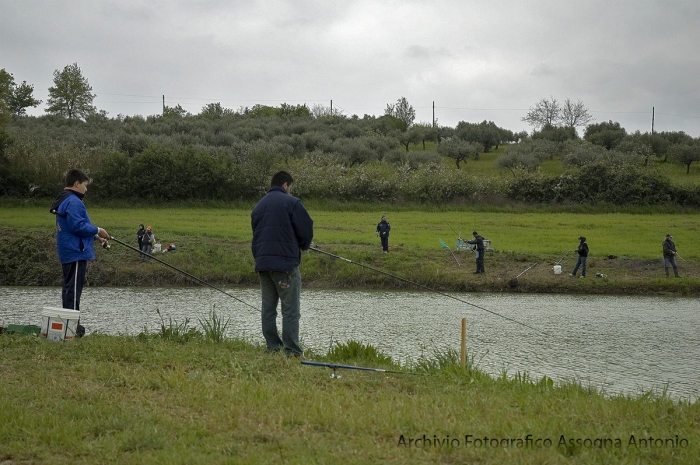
[(620, 344)]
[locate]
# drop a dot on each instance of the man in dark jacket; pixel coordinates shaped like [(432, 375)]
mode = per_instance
[(669, 248), (75, 236), (383, 229), (139, 236), (282, 228), (479, 242), (582, 252)]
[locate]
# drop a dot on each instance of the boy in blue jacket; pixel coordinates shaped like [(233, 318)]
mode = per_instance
[(75, 236)]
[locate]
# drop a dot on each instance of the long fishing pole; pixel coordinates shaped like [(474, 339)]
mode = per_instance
[(453, 229), (425, 287), (458, 235), (514, 282), (448, 248), (335, 366), (562, 258), (183, 272), (529, 267)]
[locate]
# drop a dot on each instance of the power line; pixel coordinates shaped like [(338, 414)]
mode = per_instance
[(349, 109)]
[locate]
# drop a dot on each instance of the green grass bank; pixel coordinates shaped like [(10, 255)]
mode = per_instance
[(214, 245), (186, 399)]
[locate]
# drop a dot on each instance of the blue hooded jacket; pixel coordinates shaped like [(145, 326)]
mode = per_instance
[(75, 234), (282, 228)]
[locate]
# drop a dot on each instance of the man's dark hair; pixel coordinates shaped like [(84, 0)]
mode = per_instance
[(75, 175), (474, 233), (280, 178)]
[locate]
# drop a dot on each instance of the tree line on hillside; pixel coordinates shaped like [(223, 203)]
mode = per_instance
[(228, 154)]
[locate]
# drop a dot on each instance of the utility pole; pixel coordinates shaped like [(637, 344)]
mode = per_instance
[(652, 121), (433, 113), (163, 114), (331, 107)]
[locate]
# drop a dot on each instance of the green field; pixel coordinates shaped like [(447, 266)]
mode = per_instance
[(633, 235), (150, 400), (214, 245), (486, 166)]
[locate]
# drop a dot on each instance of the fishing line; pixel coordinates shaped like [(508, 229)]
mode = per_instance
[(183, 272), (453, 229), (426, 287)]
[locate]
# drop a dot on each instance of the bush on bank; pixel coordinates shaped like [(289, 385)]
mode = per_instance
[(231, 159)]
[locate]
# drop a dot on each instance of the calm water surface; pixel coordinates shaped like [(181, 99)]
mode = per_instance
[(619, 344)]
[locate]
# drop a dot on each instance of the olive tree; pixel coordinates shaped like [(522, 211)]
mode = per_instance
[(606, 134), (517, 157), (685, 154), (459, 150)]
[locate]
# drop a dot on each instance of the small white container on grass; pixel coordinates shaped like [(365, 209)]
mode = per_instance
[(59, 324)]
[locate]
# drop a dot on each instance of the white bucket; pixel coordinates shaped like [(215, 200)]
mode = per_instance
[(557, 269), (59, 324)]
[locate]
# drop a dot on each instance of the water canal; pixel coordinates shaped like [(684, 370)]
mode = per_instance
[(621, 344)]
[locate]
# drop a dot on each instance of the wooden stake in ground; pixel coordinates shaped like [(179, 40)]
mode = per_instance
[(463, 351)]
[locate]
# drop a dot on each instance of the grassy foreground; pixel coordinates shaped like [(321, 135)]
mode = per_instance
[(185, 398), (214, 245)]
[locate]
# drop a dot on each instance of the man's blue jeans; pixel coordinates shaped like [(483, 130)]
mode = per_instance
[(146, 249), (670, 261), (580, 262), (276, 286)]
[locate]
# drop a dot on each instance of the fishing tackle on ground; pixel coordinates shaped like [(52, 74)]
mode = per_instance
[(335, 366)]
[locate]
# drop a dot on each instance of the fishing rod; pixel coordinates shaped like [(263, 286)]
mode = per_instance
[(445, 246), (680, 256), (514, 282), (458, 235), (425, 287), (562, 258), (335, 366), (453, 229), (183, 272)]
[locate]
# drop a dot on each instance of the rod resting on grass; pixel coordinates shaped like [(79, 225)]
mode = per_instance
[(335, 366)]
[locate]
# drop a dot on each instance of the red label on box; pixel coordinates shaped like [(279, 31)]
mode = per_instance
[(58, 326)]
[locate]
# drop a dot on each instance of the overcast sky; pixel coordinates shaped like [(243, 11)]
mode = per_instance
[(476, 60)]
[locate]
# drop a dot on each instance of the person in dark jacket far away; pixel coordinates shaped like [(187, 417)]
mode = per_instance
[(139, 236), (282, 228), (479, 242), (383, 229), (582, 252), (669, 248), (75, 236)]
